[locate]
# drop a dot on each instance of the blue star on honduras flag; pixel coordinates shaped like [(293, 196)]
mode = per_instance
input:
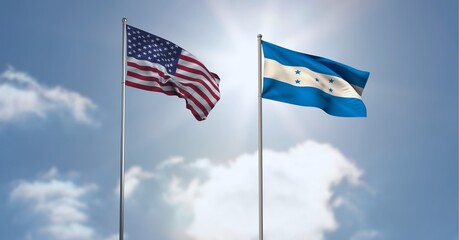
[(307, 80)]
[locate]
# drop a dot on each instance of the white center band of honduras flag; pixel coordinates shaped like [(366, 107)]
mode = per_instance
[(306, 80)]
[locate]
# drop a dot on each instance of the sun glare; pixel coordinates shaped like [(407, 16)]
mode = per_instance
[(297, 28)]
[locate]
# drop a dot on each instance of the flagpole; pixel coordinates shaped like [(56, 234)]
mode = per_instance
[(123, 117), (260, 148)]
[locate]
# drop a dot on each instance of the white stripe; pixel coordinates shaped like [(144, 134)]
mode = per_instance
[(198, 76), (149, 84), (178, 81), (145, 73), (307, 78), (193, 75), (167, 88), (200, 86), (148, 64), (196, 66), (175, 78)]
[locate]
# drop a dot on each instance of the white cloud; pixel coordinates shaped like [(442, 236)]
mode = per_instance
[(338, 202), (60, 203), (52, 173), (22, 96), (170, 162), (69, 231), (183, 197), (298, 195), (132, 178)]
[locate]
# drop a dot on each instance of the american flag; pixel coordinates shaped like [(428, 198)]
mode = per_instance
[(156, 64)]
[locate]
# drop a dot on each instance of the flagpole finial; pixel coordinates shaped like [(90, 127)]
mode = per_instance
[(259, 35), (124, 20)]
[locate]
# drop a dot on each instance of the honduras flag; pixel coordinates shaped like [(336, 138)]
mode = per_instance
[(306, 80)]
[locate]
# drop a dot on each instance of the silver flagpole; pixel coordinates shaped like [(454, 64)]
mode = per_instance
[(260, 148), (123, 117)]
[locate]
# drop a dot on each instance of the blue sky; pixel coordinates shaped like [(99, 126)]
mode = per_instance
[(392, 175)]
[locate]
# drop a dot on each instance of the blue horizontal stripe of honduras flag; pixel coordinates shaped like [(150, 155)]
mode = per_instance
[(306, 80)]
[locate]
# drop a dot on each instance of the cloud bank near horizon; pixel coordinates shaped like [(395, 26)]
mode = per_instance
[(299, 196), (209, 201), (61, 203)]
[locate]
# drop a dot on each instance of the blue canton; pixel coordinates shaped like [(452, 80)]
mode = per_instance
[(146, 46)]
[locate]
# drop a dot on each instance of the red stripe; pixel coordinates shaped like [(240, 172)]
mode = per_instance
[(148, 68), (147, 78), (152, 88), (154, 79), (214, 75), (196, 71), (202, 82), (193, 60), (169, 93), (177, 88), (172, 84), (216, 97), (203, 95)]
